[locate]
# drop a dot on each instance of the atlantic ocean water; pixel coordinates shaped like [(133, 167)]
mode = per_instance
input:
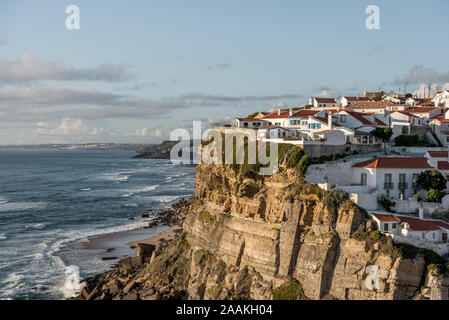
[(50, 201)]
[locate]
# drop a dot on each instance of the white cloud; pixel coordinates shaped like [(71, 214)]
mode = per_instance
[(142, 132), (28, 68)]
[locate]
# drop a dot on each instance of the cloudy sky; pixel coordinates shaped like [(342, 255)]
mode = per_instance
[(136, 70)]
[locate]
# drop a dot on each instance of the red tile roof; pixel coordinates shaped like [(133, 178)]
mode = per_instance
[(379, 122), (304, 113), (358, 99), (362, 133), (443, 165), (275, 115), (386, 217), (441, 224), (438, 154), (417, 224), (251, 120), (325, 100), (372, 105), (271, 127), (321, 132), (419, 110), (395, 162)]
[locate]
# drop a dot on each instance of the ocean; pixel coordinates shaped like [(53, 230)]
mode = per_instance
[(51, 202)]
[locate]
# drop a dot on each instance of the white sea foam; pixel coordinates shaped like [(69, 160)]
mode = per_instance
[(73, 284), (85, 189), (139, 190), (38, 226), (117, 177), (11, 283), (2, 236), (168, 198), (20, 206)]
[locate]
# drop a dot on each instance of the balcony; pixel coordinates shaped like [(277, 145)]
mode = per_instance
[(388, 186), (403, 185)]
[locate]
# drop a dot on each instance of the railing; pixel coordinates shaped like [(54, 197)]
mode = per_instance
[(388, 186), (402, 185)]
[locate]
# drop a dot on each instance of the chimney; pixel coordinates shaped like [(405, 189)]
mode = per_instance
[(329, 120), (290, 113), (358, 96), (279, 112), (421, 213)]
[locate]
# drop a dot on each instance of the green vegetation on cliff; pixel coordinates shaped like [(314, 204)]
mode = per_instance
[(291, 291)]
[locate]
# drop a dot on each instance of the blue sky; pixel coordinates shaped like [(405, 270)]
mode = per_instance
[(137, 69)]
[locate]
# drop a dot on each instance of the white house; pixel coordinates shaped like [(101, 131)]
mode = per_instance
[(331, 136), (249, 123), (418, 101), (395, 98), (424, 233), (400, 122), (394, 177), (441, 99), (349, 101), (272, 132), (440, 127), (422, 115), (323, 102)]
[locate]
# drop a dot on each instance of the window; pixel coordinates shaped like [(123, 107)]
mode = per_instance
[(424, 235), (318, 125), (393, 226), (363, 179), (343, 118), (292, 122), (404, 129), (433, 235), (386, 227)]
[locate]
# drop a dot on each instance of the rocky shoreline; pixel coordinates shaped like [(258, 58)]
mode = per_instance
[(111, 285)]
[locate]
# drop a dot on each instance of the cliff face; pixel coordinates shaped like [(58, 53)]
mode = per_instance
[(281, 233), (248, 236)]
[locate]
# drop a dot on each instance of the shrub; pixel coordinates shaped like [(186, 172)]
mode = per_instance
[(431, 179), (252, 115), (291, 291), (434, 195), (304, 164), (383, 133), (207, 217), (417, 197), (386, 202), (334, 199), (406, 141), (295, 156)]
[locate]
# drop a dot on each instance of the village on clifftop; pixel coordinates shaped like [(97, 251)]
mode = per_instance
[(388, 151)]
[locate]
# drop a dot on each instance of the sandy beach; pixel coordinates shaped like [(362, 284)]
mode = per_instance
[(119, 245)]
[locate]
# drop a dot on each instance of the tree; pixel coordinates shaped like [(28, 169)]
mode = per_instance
[(431, 179), (434, 195), (383, 133)]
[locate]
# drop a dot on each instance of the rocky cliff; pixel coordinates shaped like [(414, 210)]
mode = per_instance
[(248, 236)]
